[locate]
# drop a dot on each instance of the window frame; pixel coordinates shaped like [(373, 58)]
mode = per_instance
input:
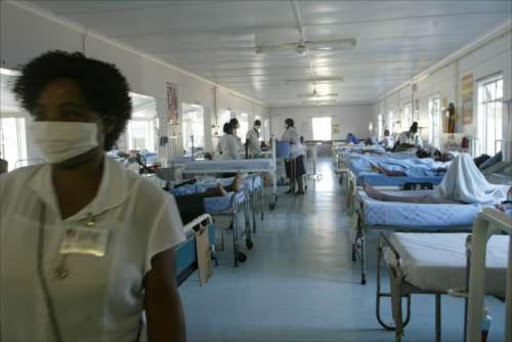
[(483, 115)]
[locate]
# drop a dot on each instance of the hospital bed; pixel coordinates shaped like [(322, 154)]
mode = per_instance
[(234, 166), (226, 206), (489, 222), (186, 252), (432, 263), (383, 182), (370, 214)]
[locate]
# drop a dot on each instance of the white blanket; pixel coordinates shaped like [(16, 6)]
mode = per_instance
[(465, 183)]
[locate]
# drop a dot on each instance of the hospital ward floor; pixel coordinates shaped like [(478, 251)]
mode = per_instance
[(300, 284)]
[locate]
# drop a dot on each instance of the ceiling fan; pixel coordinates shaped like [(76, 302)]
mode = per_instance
[(316, 95), (302, 46)]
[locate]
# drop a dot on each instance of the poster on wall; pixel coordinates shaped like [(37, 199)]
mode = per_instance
[(467, 99), (172, 103)]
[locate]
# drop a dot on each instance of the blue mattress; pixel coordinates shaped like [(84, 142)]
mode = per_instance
[(215, 166), (419, 216), (211, 205)]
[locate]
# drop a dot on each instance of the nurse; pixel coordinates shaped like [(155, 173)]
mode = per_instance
[(253, 140), (297, 157), (87, 246)]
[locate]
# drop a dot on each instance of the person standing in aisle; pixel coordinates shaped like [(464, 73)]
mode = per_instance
[(253, 140), (295, 167)]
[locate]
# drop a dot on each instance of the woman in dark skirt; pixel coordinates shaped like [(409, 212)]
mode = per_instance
[(297, 158)]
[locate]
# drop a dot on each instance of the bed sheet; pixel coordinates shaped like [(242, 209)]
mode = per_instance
[(229, 165), (438, 261), (415, 215), (377, 179)]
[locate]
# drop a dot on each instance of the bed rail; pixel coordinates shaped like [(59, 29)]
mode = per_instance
[(489, 221)]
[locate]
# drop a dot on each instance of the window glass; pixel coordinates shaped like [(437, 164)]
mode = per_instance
[(193, 128), (434, 127), (490, 115), (380, 127), (391, 122), (142, 129), (244, 126), (322, 129)]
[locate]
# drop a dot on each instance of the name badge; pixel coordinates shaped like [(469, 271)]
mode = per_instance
[(78, 240)]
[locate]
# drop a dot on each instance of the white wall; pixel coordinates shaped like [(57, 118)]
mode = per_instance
[(493, 55), (26, 33), (351, 118)]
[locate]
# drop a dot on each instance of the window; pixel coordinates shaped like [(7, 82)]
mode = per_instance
[(13, 137), (490, 115), (266, 130), (224, 118), (13, 141), (193, 128), (142, 129), (407, 119), (434, 121), (391, 122), (380, 126), (322, 129), (244, 126)]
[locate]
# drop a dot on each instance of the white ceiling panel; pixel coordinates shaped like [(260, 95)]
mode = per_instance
[(217, 39)]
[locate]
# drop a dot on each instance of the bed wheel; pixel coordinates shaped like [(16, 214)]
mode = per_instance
[(249, 244), (363, 281), (242, 257), (272, 206)]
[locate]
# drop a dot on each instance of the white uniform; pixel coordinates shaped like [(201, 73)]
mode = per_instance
[(230, 147), (101, 299), (253, 142), (411, 139), (388, 142), (290, 135)]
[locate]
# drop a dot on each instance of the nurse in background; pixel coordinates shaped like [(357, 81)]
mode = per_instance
[(229, 144), (236, 126), (388, 142), (410, 138), (253, 140), (298, 152), (87, 246)]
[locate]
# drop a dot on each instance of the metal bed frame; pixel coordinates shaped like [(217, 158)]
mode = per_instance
[(474, 270), (488, 222), (232, 213), (400, 289), (359, 243), (186, 252), (271, 171)]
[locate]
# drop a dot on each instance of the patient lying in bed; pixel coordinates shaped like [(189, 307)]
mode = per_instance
[(192, 205), (463, 183)]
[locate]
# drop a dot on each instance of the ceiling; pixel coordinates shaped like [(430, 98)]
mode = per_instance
[(216, 39)]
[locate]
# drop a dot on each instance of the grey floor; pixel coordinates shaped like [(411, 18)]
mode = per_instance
[(299, 283)]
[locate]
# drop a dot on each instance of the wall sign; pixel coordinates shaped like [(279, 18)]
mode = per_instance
[(467, 99)]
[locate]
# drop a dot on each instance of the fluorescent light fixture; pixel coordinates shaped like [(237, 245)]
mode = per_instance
[(9, 72), (316, 80)]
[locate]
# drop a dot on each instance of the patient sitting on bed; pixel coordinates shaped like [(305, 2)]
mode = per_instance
[(462, 184)]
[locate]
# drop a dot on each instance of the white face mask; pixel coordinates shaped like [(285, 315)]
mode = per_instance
[(60, 141)]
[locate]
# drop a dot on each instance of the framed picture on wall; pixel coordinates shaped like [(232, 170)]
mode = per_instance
[(467, 99), (172, 103)]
